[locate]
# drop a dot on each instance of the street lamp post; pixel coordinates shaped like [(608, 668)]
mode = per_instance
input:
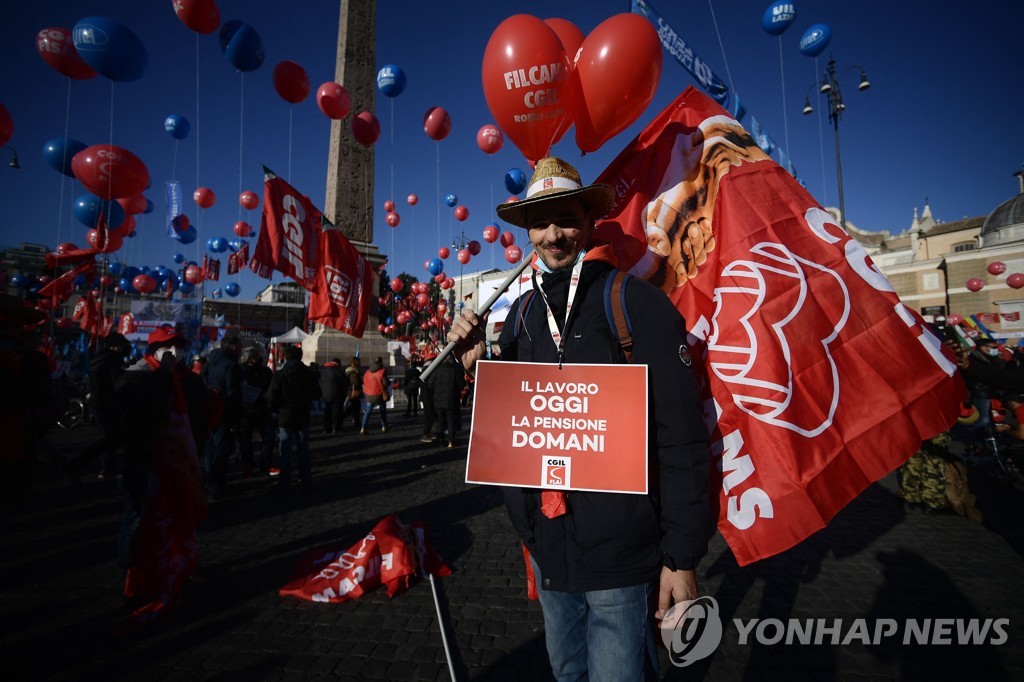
[(829, 86)]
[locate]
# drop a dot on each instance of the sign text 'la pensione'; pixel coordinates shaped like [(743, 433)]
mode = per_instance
[(559, 433)]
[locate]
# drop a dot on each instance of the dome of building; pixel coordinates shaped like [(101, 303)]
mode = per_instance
[(1006, 214)]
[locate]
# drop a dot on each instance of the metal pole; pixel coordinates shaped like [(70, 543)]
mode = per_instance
[(839, 175), (441, 626), (527, 260)]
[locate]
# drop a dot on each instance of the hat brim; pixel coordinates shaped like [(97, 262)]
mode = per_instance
[(597, 198)]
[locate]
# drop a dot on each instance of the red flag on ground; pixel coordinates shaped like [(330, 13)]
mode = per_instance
[(817, 380), (392, 554), (289, 233), (342, 295)]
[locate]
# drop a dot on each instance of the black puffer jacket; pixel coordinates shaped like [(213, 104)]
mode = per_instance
[(223, 374), (292, 393), (610, 540), (333, 383)]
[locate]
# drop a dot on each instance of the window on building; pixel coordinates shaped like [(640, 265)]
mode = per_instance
[(964, 246)]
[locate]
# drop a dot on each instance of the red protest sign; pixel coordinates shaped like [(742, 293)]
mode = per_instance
[(582, 427)]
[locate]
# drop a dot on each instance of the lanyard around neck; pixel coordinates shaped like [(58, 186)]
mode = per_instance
[(557, 336)]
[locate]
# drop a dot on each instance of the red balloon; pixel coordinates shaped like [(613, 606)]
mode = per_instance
[(6, 125), (614, 78), (437, 123), (512, 199), (450, 281), (109, 171), (134, 204), (463, 256), (57, 49), (491, 234), (440, 278), (66, 247), (507, 239), (445, 285), (291, 82), (474, 247), (443, 252), (389, 206), (413, 199), (333, 100), (180, 223), (193, 274), (996, 268), (571, 38), (1015, 281), (396, 285), (955, 319), (204, 197), (113, 243), (381, 328), (243, 229), (144, 283), (489, 139), (365, 128), (392, 219), (513, 254), (461, 213), (975, 284), (248, 200), (422, 299), (65, 323), (525, 78), (424, 326), (202, 16)]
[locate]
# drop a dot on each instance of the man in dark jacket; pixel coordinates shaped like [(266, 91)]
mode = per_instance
[(223, 376), (104, 370), (292, 393), (446, 386), (412, 389), (334, 388), (600, 556), (354, 398), (256, 415)]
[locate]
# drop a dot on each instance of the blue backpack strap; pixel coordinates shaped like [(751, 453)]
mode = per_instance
[(524, 309), (615, 311)]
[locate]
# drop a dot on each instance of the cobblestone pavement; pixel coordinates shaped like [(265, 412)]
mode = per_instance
[(59, 600)]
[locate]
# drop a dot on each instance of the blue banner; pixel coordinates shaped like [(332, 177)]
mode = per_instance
[(173, 206), (684, 54)]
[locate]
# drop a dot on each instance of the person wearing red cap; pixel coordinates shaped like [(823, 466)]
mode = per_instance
[(603, 562), (161, 406)]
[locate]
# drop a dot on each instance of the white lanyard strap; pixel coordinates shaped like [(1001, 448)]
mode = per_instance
[(556, 336)]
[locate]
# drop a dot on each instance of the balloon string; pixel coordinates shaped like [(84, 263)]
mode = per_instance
[(721, 46), (438, 177), (202, 286), (785, 116), (290, 118), (495, 212), (63, 165), (174, 163), (821, 142), (241, 136)]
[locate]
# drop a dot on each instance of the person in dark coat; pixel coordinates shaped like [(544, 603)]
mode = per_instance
[(256, 414), (446, 384), (334, 388), (412, 389), (105, 369), (427, 398), (223, 376), (292, 393), (354, 399), (599, 556)]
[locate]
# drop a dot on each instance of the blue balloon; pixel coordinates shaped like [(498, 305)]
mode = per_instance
[(435, 267), (188, 236), (145, 270), (59, 151), (391, 80), (242, 45), (126, 285), (451, 200), (232, 289), (236, 244), (149, 206), (110, 48), (19, 281), (186, 287), (79, 281), (217, 244), (779, 15), (89, 207), (515, 180), (177, 126), (115, 268), (130, 272), (179, 258), (815, 40)]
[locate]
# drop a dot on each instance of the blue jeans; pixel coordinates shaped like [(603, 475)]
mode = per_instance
[(600, 635), (383, 406), (300, 439)]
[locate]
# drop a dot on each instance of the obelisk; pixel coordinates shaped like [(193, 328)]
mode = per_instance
[(348, 203)]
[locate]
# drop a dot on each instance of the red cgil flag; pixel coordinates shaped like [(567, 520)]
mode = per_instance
[(817, 380), (289, 233), (126, 324), (393, 554), (343, 291)]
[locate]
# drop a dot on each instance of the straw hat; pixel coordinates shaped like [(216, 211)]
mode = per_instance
[(556, 179)]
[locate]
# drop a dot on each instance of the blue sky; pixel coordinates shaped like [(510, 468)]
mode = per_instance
[(940, 120)]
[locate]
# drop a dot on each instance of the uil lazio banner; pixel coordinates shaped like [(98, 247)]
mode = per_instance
[(805, 400)]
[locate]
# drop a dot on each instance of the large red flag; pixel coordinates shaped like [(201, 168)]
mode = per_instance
[(817, 380), (289, 233), (343, 292)]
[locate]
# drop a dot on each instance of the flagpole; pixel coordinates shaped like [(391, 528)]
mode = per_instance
[(441, 626), (483, 310)]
